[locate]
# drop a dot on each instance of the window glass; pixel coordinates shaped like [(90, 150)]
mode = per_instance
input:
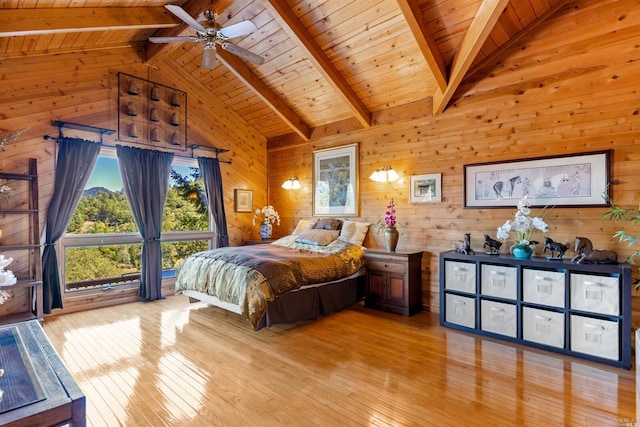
[(102, 245), (186, 204), (103, 207), (91, 266)]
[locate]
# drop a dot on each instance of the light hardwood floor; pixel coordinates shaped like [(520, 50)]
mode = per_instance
[(173, 363)]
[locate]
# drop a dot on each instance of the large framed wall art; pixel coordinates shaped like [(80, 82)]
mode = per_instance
[(335, 181), (562, 181), (151, 114)]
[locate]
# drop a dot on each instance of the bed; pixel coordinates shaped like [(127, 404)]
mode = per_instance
[(312, 272)]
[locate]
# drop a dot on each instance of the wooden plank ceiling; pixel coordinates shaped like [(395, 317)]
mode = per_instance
[(326, 62)]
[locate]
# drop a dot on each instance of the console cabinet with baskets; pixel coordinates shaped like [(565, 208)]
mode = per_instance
[(583, 310)]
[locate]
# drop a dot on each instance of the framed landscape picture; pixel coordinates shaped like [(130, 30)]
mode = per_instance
[(426, 188), (569, 180), (335, 181)]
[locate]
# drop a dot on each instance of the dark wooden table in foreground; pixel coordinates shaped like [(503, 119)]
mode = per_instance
[(36, 387)]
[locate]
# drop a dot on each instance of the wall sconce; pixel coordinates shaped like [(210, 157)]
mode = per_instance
[(386, 174), (291, 184)]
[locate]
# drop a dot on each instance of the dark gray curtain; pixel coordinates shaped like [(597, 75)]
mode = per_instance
[(76, 159), (145, 177), (210, 171)]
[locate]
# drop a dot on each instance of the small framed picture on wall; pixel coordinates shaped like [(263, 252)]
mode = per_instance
[(243, 200), (426, 188)]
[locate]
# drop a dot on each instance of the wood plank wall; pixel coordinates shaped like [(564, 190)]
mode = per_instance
[(82, 88), (570, 87)]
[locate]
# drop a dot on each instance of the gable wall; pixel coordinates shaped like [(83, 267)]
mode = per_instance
[(556, 93), (82, 88)]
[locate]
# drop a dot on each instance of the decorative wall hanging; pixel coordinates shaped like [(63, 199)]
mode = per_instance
[(151, 114), (426, 188), (243, 200), (335, 181), (572, 180)]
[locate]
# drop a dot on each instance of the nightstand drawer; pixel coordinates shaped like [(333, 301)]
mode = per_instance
[(460, 276), (388, 266), (394, 281), (597, 294)]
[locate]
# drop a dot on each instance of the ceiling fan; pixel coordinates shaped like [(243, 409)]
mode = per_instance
[(210, 33)]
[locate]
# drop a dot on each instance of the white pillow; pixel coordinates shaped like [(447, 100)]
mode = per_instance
[(304, 225), (354, 232)]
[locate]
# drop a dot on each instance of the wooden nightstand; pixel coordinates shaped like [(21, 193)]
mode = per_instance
[(258, 242), (394, 281)]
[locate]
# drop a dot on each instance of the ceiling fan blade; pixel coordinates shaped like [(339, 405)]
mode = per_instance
[(209, 56), (173, 39), (243, 53), (182, 14), (237, 30)]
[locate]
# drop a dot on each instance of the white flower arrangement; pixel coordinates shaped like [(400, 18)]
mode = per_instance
[(269, 215), (4, 192), (4, 296), (523, 224), (6, 278)]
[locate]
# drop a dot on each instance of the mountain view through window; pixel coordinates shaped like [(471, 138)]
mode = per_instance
[(102, 245)]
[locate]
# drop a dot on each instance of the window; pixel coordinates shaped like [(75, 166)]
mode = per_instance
[(102, 245)]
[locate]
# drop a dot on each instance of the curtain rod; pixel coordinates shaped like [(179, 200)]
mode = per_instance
[(216, 150), (103, 131), (62, 124)]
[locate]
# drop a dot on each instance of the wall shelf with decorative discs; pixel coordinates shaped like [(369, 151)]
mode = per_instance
[(151, 114)]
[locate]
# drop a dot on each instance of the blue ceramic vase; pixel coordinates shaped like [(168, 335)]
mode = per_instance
[(265, 230), (522, 251)]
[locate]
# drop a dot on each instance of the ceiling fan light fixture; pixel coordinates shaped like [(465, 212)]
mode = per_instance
[(209, 56), (210, 33)]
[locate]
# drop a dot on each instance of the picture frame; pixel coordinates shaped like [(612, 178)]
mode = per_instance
[(563, 181), (242, 200), (335, 181), (426, 188)]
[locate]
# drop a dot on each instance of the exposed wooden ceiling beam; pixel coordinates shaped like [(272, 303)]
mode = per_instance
[(251, 80), (483, 22), (26, 22), (290, 23), (515, 39), (421, 32), (390, 116), (158, 51), (221, 130)]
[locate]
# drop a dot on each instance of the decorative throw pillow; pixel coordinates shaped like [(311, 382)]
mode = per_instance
[(328, 224), (354, 232), (304, 225), (317, 237)]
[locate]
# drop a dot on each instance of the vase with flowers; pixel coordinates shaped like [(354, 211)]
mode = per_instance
[(389, 226), (267, 217), (524, 226)]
